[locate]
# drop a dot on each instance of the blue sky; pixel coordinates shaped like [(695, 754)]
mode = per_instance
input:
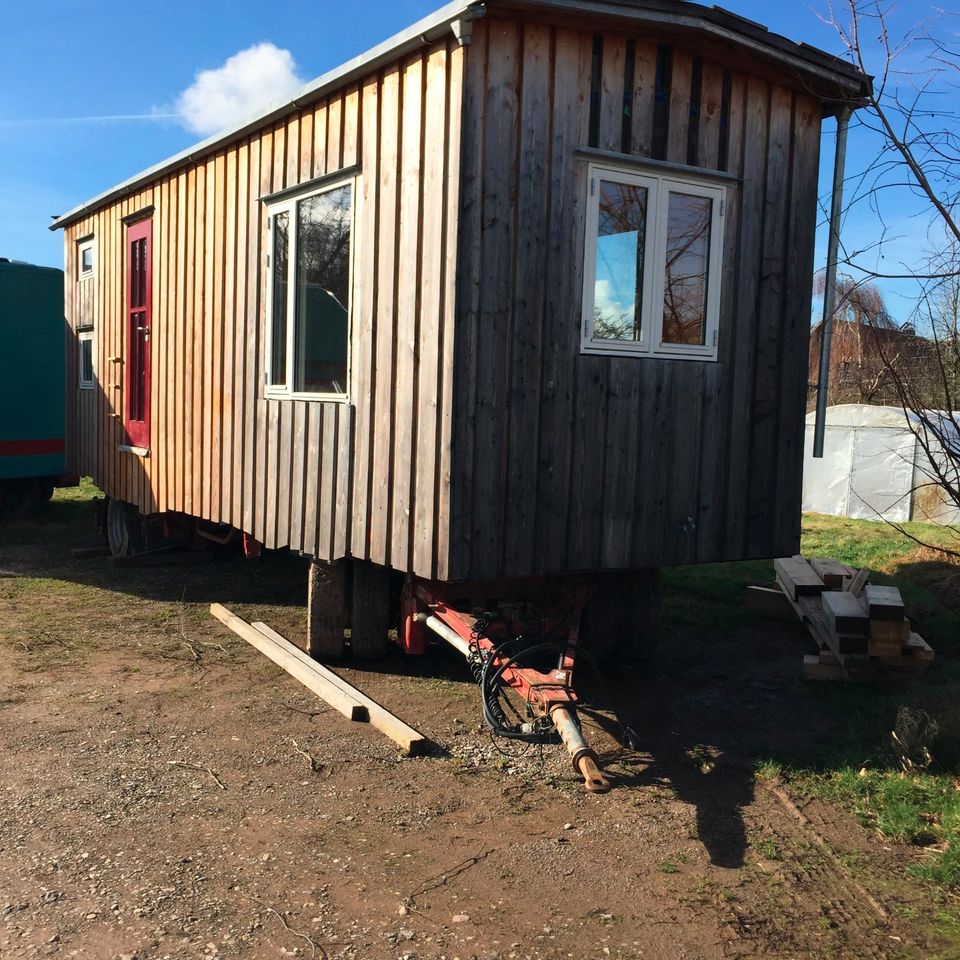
[(99, 58)]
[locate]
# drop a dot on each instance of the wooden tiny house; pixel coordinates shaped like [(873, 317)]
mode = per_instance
[(525, 290)]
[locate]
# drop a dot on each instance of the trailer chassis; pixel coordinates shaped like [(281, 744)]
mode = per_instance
[(484, 638)]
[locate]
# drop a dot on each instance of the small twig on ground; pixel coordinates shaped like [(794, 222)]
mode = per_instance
[(314, 946), (315, 764), (440, 880), (25, 647), (197, 766)]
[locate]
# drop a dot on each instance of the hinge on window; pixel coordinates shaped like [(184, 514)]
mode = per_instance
[(723, 201), (265, 380), (715, 337), (593, 186)]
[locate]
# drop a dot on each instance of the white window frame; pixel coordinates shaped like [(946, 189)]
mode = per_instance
[(86, 336), (81, 248), (288, 205), (659, 185)]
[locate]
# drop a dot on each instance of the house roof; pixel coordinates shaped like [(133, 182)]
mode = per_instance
[(838, 80)]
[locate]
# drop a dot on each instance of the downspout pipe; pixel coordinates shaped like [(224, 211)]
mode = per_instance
[(830, 282)]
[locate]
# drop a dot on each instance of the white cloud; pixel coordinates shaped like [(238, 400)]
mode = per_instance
[(249, 81)]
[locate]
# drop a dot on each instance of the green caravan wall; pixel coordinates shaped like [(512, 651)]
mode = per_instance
[(31, 371)]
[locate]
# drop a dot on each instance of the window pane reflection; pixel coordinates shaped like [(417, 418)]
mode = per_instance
[(618, 279), (688, 258), (278, 342), (323, 291)]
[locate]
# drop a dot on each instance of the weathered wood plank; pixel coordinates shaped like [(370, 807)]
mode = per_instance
[(364, 294), (772, 290), (527, 321), (404, 388), (573, 52), (470, 231), (503, 80), (432, 263), (441, 562), (381, 492)]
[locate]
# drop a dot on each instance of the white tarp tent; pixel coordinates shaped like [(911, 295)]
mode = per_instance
[(873, 468)]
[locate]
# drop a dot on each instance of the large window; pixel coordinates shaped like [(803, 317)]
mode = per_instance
[(652, 270), (308, 299)]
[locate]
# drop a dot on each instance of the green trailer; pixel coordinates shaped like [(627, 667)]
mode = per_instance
[(32, 385)]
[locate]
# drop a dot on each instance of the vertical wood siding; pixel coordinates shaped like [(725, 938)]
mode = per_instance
[(368, 478), (563, 461)]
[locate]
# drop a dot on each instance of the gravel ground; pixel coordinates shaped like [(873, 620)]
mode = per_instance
[(169, 793)]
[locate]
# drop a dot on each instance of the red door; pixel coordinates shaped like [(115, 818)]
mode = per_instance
[(137, 414)]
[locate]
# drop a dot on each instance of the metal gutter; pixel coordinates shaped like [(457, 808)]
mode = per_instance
[(422, 32), (830, 282)]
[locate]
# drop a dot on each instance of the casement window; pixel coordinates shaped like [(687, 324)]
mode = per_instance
[(85, 253), (85, 374), (654, 244), (309, 267)]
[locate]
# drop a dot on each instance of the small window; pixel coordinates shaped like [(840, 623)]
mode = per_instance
[(653, 260), (308, 297), (85, 260), (86, 359)]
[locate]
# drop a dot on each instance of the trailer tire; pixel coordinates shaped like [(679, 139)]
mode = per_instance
[(371, 611), (124, 529), (621, 619)]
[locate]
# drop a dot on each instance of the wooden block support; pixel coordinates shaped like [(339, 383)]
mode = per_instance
[(295, 662), (831, 572), (845, 614), (328, 609), (411, 741), (884, 603), (797, 577)]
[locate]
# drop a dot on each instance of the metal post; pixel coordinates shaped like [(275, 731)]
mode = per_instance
[(830, 282)]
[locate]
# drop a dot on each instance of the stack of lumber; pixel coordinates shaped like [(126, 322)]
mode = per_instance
[(861, 629)]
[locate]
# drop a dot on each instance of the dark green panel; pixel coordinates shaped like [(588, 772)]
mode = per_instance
[(31, 366)]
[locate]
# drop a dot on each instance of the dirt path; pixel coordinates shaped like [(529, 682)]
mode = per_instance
[(167, 792)]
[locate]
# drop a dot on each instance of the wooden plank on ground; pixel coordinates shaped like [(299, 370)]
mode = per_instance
[(285, 655), (769, 601), (884, 603), (797, 577), (412, 741), (918, 648), (815, 669)]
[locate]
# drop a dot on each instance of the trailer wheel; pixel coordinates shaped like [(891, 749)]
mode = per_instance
[(371, 611), (124, 530), (621, 620)]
